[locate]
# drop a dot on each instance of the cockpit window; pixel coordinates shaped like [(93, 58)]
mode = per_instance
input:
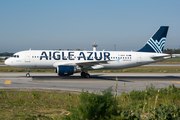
[(15, 56)]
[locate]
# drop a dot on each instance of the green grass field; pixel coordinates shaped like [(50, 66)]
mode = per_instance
[(31, 104), (25, 104), (143, 69), (170, 61)]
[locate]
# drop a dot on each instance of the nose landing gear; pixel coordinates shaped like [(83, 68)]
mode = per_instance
[(28, 73)]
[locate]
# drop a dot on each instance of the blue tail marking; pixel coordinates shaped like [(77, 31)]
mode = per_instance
[(156, 42)]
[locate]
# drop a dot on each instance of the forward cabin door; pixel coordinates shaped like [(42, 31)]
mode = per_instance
[(27, 57)]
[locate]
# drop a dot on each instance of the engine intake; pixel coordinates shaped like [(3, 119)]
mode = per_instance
[(65, 70)]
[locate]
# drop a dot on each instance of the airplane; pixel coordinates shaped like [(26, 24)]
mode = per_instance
[(69, 62)]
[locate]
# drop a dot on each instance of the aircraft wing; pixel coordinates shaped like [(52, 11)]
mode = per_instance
[(83, 64)]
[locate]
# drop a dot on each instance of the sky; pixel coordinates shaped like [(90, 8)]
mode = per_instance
[(77, 24)]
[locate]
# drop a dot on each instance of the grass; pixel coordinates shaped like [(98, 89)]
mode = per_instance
[(142, 69), (55, 104), (29, 104), (170, 61), (11, 69), (151, 100)]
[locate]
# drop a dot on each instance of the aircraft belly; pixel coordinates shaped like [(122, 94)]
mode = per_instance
[(120, 65)]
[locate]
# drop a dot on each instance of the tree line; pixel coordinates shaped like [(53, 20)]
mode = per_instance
[(6, 54), (171, 51)]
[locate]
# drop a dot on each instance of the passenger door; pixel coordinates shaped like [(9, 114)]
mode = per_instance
[(27, 57)]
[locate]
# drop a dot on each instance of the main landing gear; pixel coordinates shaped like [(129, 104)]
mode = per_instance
[(28, 74), (85, 74)]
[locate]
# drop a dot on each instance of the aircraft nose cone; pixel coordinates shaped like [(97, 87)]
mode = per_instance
[(7, 62)]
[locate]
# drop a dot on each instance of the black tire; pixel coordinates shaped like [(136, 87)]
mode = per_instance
[(27, 75), (83, 74), (87, 75)]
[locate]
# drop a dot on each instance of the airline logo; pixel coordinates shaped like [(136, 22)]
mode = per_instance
[(157, 46), (71, 55)]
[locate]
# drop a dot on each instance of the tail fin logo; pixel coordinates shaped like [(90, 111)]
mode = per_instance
[(156, 42), (157, 46)]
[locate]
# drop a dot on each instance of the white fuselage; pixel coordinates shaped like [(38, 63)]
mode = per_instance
[(49, 59)]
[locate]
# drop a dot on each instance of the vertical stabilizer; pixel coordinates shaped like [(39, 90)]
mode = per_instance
[(156, 42)]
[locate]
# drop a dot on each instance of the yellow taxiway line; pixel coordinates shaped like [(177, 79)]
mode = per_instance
[(175, 81), (7, 82)]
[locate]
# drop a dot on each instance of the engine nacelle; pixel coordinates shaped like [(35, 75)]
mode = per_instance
[(64, 70)]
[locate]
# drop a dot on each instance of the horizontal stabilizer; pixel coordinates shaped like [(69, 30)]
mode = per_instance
[(161, 56)]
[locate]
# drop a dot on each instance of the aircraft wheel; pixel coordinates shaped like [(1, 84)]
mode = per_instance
[(27, 75), (83, 74), (87, 75)]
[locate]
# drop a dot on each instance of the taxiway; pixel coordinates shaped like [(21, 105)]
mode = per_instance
[(98, 81)]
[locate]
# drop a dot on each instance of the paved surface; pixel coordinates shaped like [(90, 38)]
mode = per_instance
[(2, 65), (98, 81)]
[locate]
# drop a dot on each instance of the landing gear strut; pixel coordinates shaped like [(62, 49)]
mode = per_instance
[(85, 74), (28, 74)]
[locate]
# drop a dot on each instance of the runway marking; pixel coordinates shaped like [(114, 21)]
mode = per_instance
[(175, 81), (8, 82)]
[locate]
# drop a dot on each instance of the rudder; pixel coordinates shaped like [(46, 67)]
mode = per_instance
[(156, 42)]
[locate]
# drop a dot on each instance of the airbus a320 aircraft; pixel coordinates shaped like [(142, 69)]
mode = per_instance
[(69, 62)]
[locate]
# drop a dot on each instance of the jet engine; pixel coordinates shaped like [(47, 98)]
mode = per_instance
[(65, 70)]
